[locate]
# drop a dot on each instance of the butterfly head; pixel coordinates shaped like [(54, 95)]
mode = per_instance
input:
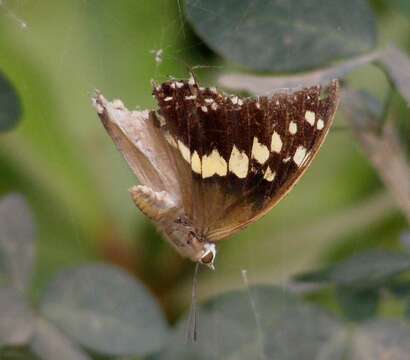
[(199, 249), (187, 240), (209, 253)]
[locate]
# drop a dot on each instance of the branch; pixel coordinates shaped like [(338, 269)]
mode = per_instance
[(382, 147), (264, 85)]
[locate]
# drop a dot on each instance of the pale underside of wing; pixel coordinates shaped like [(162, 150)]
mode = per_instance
[(141, 143), (235, 158)]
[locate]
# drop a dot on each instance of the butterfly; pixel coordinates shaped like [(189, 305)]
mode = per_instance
[(209, 164)]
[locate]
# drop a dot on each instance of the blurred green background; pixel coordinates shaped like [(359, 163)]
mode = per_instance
[(57, 52)]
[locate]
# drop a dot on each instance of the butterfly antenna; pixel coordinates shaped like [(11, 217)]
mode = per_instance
[(192, 329)]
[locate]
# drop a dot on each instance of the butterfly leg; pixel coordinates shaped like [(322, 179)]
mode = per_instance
[(152, 203)]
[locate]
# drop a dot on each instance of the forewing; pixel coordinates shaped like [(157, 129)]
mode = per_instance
[(236, 158), (141, 143)]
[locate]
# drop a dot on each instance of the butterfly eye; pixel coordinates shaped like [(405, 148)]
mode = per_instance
[(208, 258)]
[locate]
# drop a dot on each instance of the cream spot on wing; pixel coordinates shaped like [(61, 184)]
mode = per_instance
[(299, 155), (285, 160), (240, 102), (209, 100), (238, 163), (276, 143), (172, 85), (320, 124), (269, 175), (170, 139), (196, 162), (214, 106), (310, 117), (213, 90), (257, 105), (293, 128), (168, 98), (179, 84), (186, 154), (204, 108), (213, 164), (191, 80), (190, 97), (260, 152), (234, 100)]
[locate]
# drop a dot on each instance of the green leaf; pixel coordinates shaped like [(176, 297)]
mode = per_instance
[(261, 322), (50, 344), (365, 270), (16, 318), (381, 339), (105, 310), (10, 106), (17, 233), (315, 276), (369, 269), (278, 35), (399, 288), (401, 5), (358, 304)]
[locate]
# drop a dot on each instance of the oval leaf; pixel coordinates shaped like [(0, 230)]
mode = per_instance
[(261, 322), (381, 339), (16, 240), (10, 107), (279, 35), (16, 318), (106, 310), (370, 268), (50, 344)]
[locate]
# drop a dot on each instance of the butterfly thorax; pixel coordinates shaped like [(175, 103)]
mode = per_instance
[(174, 224)]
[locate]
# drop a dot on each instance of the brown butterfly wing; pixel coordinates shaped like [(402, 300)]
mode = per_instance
[(142, 144), (236, 158)]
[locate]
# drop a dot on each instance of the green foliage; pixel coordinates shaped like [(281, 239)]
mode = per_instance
[(282, 36), (259, 322), (10, 106), (400, 5), (359, 281), (358, 304), (17, 353), (98, 306), (105, 310), (368, 269)]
